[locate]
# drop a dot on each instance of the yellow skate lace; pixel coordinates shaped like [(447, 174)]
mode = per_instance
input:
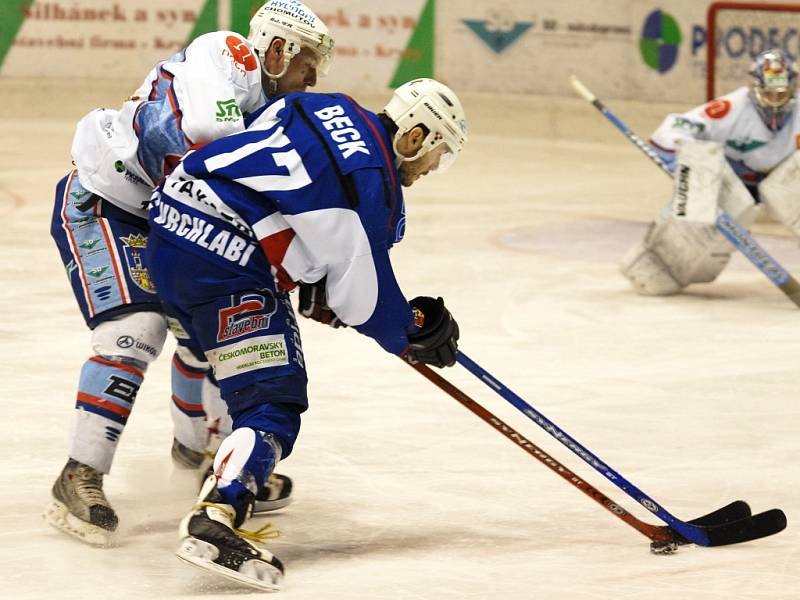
[(260, 535)]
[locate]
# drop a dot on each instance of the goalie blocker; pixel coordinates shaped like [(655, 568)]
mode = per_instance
[(683, 246)]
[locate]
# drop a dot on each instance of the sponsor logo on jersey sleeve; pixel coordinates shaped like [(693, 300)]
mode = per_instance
[(241, 53), (746, 145), (227, 111), (684, 123), (717, 109)]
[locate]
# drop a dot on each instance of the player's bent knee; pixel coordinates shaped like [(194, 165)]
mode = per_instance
[(137, 336), (648, 274)]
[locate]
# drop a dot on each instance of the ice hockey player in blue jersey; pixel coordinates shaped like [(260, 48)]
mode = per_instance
[(310, 194), (99, 224)]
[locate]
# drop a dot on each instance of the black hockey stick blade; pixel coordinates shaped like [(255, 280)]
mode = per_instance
[(738, 509), (730, 524), (755, 527)]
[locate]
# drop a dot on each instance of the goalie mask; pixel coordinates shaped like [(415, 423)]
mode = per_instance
[(434, 105), (295, 23), (773, 87)]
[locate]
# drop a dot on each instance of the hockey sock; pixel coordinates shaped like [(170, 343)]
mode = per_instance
[(106, 392), (186, 409)]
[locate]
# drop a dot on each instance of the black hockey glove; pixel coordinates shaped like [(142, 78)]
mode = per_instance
[(314, 304), (436, 343)]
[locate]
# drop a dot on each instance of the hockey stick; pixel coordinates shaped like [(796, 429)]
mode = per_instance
[(742, 530), (664, 540), (736, 234)]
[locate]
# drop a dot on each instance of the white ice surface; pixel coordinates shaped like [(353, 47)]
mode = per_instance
[(400, 492)]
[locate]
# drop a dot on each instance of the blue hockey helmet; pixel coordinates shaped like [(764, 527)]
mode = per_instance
[(773, 87)]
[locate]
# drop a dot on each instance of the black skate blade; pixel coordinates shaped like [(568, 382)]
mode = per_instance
[(738, 509), (750, 528)]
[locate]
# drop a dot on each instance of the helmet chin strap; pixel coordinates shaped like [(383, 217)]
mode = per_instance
[(272, 79)]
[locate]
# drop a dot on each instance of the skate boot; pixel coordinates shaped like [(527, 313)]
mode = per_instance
[(211, 540), (79, 507), (184, 457), (277, 493)]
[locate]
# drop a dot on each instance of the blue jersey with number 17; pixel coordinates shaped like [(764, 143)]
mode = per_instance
[(308, 190)]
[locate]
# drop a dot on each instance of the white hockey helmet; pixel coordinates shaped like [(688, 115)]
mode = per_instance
[(773, 87), (435, 106), (294, 22)]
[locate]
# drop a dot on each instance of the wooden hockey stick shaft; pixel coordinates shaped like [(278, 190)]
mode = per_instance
[(659, 534)]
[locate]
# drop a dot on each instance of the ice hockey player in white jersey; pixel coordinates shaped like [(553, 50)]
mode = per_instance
[(734, 153), (100, 227), (309, 194)]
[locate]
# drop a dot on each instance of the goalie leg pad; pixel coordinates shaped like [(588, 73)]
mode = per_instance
[(736, 199), (697, 181), (648, 274), (780, 192), (674, 254)]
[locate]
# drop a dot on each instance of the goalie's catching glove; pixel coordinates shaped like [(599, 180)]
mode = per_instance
[(314, 304), (436, 343)]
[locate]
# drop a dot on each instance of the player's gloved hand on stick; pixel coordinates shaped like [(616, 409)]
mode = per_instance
[(436, 343), (314, 304)]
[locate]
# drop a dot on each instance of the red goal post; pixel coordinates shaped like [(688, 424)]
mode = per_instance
[(737, 31)]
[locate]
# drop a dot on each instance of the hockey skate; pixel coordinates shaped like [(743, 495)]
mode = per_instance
[(79, 507), (276, 494), (211, 541), (184, 457)]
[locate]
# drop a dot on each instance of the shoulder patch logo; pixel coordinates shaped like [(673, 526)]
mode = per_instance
[(241, 53), (717, 109)]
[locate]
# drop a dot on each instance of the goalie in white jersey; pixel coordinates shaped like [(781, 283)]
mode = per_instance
[(734, 153), (100, 226)]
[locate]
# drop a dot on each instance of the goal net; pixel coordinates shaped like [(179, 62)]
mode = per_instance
[(738, 31)]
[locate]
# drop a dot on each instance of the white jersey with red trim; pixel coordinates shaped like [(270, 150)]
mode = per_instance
[(196, 96), (732, 121)]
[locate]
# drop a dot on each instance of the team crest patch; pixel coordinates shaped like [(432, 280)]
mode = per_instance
[(134, 247)]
